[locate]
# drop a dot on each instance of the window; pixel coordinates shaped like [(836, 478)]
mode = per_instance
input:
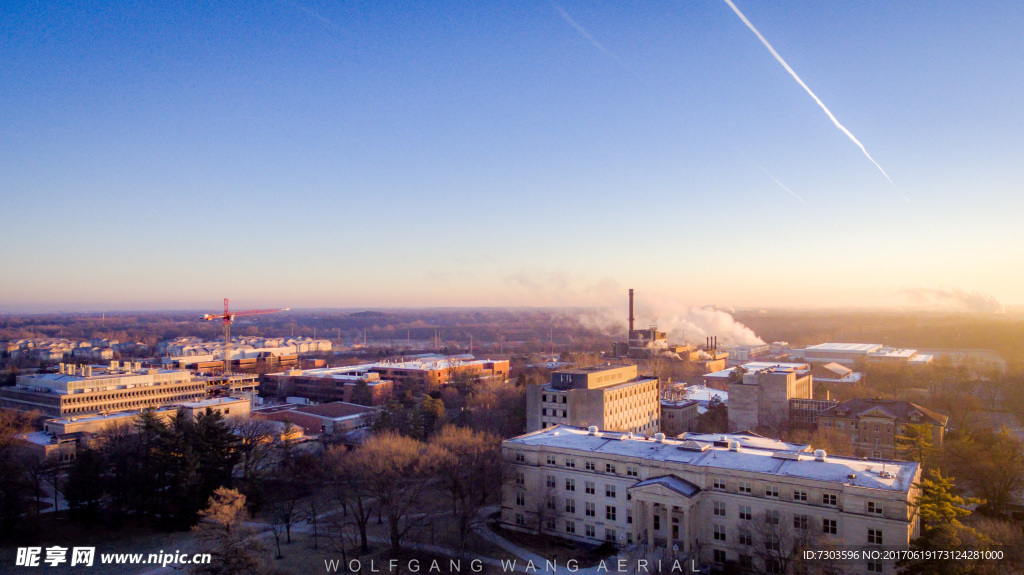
[(588, 487), (551, 481), (551, 460), (875, 566), (570, 484), (609, 491), (632, 471), (828, 499), (719, 556), (746, 538), (570, 527), (827, 422), (745, 487), (589, 531), (551, 502), (876, 428), (520, 519), (564, 399), (609, 512), (799, 495), (570, 462), (549, 524), (747, 562), (875, 536), (570, 505), (657, 522), (771, 491), (589, 509), (590, 466), (829, 526), (520, 457), (771, 542), (629, 517), (874, 508), (745, 512), (520, 498), (718, 484), (609, 468), (719, 509), (800, 522), (610, 535), (719, 533), (771, 517), (520, 478)]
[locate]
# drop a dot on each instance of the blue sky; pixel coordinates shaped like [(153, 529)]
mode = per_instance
[(169, 154)]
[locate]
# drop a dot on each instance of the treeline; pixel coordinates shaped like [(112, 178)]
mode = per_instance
[(162, 472)]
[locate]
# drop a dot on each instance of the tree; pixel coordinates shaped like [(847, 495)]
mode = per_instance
[(351, 488), (915, 443), (255, 443), (361, 393), (715, 419), (222, 533), (468, 464), (990, 463), (395, 471), (84, 489), (938, 505)]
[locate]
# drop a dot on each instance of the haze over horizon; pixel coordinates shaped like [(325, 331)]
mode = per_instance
[(378, 155)]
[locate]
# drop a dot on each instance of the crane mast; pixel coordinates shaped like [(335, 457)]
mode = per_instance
[(227, 319)]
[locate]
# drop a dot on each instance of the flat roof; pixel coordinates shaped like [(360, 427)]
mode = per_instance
[(855, 347), (799, 465), (212, 402)]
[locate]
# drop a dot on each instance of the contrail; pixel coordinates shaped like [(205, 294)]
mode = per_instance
[(781, 185), (583, 32), (804, 86)]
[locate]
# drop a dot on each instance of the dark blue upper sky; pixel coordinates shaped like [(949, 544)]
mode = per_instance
[(168, 154)]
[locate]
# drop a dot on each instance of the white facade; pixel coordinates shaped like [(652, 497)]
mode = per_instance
[(715, 500)]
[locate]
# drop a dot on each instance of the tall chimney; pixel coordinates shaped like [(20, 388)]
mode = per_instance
[(630, 313), (716, 343)]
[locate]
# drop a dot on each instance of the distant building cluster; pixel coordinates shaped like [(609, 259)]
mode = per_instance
[(61, 349), (377, 380)]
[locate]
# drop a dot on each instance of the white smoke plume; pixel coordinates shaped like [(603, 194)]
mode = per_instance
[(955, 299), (682, 323), (808, 90)]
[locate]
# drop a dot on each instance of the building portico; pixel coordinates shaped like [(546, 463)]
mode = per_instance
[(664, 507)]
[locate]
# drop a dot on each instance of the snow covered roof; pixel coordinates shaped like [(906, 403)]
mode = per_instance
[(861, 473)]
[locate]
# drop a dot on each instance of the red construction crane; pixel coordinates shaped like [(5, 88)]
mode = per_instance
[(228, 316)]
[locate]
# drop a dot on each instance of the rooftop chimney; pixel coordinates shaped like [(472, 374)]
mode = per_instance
[(630, 312)]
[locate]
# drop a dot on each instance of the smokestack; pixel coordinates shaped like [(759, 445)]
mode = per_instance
[(630, 312), (716, 343)]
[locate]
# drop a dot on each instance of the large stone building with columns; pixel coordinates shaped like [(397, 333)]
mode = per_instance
[(737, 498)]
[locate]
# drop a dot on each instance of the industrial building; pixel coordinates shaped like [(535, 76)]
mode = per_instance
[(713, 499), (850, 353), (720, 379), (82, 390), (874, 424), (608, 396), (761, 397)]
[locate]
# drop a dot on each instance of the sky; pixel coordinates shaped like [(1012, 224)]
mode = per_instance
[(165, 155)]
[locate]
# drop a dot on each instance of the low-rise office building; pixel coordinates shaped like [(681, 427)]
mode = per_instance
[(323, 419), (850, 353), (714, 499), (608, 396), (82, 390), (678, 416)]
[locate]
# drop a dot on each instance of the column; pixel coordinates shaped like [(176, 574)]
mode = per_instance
[(649, 509)]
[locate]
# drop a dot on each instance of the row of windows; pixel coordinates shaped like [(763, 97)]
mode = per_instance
[(570, 462), (800, 522), (133, 404), (772, 492)]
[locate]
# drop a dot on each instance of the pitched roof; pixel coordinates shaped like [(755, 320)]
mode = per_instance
[(899, 410), (677, 484)]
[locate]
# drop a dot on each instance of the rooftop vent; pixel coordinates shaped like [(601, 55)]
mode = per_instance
[(592, 430), (852, 476), (659, 437), (734, 446), (819, 455), (628, 435)]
